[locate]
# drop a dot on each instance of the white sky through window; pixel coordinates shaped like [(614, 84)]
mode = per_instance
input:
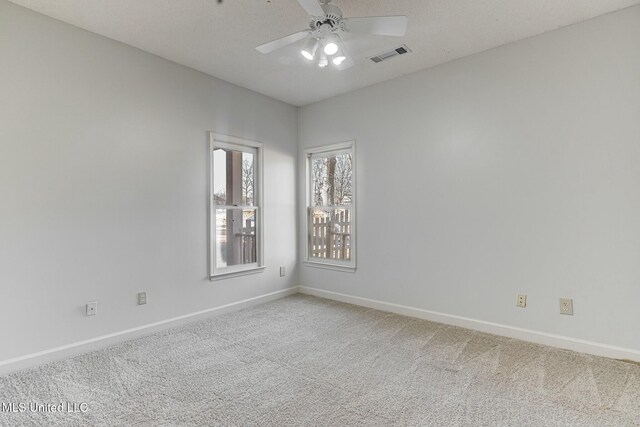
[(219, 171)]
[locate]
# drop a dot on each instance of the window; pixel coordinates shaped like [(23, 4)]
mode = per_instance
[(236, 202), (331, 216)]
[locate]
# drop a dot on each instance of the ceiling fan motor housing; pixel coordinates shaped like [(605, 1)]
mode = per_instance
[(332, 19)]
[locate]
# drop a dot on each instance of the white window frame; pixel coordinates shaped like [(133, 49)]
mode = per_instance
[(217, 140), (323, 151)]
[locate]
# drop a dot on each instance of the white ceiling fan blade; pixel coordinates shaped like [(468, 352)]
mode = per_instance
[(282, 42), (312, 7), (378, 25)]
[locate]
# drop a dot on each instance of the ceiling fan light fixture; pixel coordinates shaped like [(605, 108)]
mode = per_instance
[(330, 48), (331, 44), (323, 41), (323, 61), (309, 50), (339, 59)]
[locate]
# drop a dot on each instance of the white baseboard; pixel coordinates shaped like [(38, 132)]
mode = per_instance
[(80, 347), (74, 349), (552, 340)]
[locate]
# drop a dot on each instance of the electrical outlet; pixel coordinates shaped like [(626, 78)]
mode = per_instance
[(142, 298), (521, 300), (92, 308), (281, 271), (566, 306)]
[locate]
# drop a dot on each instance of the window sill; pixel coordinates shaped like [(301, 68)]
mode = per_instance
[(221, 276), (328, 266)]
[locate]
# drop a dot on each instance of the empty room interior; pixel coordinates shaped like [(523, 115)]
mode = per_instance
[(319, 213)]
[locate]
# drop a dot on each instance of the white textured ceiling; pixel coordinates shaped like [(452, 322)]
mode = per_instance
[(220, 39)]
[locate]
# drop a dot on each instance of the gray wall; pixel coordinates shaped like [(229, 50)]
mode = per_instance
[(103, 184), (514, 170)]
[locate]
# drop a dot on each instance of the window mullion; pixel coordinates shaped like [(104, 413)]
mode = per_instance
[(248, 207)]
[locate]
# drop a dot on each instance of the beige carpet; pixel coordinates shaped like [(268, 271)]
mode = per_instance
[(307, 361)]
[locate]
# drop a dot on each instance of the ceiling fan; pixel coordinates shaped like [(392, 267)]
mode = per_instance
[(324, 42)]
